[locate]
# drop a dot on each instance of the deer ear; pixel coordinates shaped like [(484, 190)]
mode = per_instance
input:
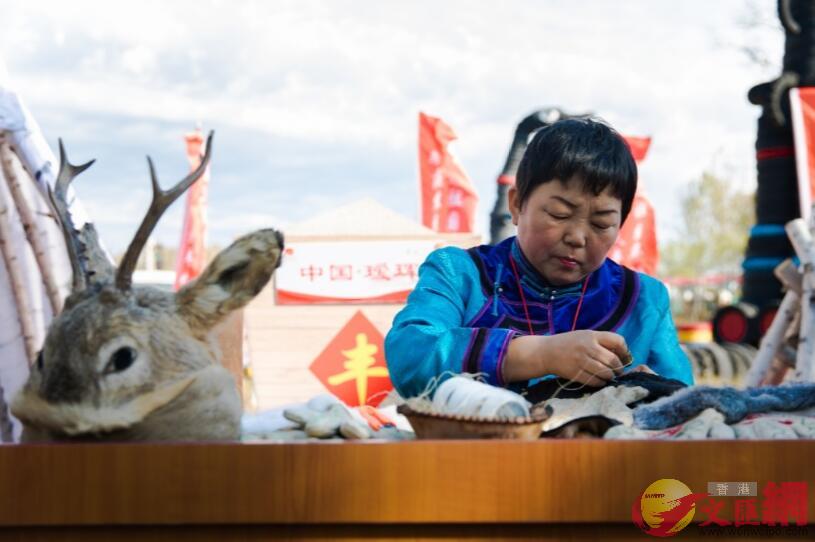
[(235, 276)]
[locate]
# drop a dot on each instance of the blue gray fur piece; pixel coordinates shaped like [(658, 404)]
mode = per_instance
[(734, 404)]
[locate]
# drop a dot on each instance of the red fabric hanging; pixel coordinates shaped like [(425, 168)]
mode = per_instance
[(636, 246), (448, 199), (192, 256)]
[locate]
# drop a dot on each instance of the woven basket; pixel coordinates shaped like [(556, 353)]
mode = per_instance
[(430, 425)]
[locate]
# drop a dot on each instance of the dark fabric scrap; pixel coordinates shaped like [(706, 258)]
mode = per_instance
[(585, 427), (657, 386)]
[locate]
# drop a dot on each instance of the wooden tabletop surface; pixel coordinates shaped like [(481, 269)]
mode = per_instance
[(566, 481)]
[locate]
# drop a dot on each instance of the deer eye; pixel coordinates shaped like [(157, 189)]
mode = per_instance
[(39, 360), (121, 360)]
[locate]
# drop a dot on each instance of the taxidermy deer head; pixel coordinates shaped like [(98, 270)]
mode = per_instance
[(124, 362)]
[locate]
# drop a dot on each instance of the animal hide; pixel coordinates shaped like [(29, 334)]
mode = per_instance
[(732, 403)]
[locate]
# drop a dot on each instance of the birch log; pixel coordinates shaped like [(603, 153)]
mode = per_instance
[(16, 278), (790, 277), (773, 339), (34, 237), (804, 246), (777, 353)]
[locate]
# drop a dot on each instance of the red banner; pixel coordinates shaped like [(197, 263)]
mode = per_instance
[(802, 106), (448, 199), (639, 146), (636, 246), (192, 256)]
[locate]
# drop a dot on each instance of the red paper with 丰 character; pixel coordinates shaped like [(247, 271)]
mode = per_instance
[(352, 366)]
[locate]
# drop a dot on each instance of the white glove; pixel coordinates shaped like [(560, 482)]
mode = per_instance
[(324, 416)]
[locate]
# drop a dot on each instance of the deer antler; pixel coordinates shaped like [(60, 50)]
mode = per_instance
[(161, 200), (59, 200)]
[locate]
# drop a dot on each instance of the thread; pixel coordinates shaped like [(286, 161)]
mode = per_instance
[(574, 325), (581, 385), (465, 396)]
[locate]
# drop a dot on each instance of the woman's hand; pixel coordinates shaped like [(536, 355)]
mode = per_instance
[(585, 356)]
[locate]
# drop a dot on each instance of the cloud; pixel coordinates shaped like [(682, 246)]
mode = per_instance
[(315, 103)]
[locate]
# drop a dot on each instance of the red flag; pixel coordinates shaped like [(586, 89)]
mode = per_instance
[(192, 249), (636, 246), (639, 146), (448, 199), (802, 105)]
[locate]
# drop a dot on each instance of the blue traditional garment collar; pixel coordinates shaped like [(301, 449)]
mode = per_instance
[(534, 281), (611, 292)]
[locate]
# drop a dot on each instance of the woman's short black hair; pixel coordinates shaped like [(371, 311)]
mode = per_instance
[(585, 147)]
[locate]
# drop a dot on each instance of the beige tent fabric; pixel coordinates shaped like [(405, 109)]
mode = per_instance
[(362, 218)]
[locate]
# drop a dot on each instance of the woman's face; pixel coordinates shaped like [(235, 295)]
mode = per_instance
[(565, 231)]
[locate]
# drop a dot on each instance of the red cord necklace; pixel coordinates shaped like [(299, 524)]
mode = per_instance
[(523, 298)]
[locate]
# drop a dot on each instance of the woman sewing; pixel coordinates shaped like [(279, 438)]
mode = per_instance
[(548, 302)]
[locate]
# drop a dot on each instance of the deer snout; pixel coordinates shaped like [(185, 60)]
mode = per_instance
[(62, 384)]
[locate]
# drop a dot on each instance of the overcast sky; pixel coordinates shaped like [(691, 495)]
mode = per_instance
[(315, 104)]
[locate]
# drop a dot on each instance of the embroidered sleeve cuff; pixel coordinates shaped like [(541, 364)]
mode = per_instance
[(486, 353)]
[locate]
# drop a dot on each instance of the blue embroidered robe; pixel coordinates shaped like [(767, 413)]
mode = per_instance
[(467, 307)]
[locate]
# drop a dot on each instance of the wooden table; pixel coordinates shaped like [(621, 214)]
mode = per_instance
[(421, 490)]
